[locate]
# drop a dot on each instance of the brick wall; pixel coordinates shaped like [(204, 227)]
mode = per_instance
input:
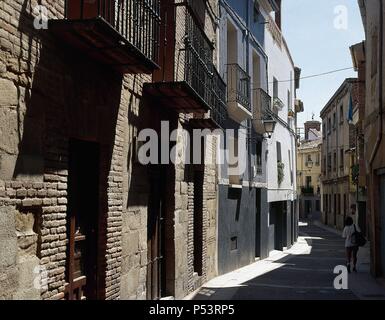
[(50, 93)]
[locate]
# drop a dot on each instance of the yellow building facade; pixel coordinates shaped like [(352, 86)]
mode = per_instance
[(309, 177)]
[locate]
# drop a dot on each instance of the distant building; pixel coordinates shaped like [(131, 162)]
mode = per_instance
[(359, 169), (309, 171), (338, 152)]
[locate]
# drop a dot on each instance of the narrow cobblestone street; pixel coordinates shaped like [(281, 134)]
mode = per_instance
[(304, 272)]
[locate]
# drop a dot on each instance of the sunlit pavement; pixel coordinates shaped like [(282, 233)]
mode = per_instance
[(304, 272)]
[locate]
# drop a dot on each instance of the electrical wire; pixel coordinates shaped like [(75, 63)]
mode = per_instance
[(317, 75)]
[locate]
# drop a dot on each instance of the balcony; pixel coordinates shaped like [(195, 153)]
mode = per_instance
[(299, 106), (262, 107), (278, 105), (307, 191), (123, 34), (217, 114), (238, 93), (185, 83)]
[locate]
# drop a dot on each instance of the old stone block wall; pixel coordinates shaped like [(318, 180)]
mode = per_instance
[(211, 212), (135, 196), (185, 280)]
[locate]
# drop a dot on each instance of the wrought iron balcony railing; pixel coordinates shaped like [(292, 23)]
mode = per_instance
[(263, 102), (261, 110), (109, 26), (192, 84), (218, 103), (277, 103), (198, 60), (238, 83)]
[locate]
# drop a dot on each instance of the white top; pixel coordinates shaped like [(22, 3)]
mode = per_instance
[(347, 234)]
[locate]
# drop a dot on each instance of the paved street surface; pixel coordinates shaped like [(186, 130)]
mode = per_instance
[(304, 272)]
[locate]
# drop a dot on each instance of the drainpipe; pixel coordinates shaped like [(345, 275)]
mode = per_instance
[(379, 135), (249, 122)]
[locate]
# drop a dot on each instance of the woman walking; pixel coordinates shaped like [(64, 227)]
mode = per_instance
[(350, 245)]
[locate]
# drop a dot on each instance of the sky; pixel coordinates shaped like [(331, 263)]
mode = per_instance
[(319, 34)]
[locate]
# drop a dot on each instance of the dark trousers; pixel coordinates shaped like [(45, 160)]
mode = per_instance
[(351, 252)]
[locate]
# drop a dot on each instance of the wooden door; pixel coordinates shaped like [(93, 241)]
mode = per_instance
[(155, 235), (198, 220), (82, 221), (88, 9), (382, 221)]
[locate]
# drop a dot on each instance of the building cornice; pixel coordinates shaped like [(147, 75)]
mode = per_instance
[(338, 94)]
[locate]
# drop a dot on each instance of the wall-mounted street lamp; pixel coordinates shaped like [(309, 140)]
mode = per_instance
[(269, 125)]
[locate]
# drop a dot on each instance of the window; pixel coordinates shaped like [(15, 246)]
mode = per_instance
[(275, 88), (341, 114), (276, 102), (334, 121), (234, 243), (256, 11), (335, 162), (330, 203), (329, 162), (329, 125), (324, 130), (259, 158), (325, 203), (308, 181), (324, 165), (339, 204), (318, 159), (288, 100), (342, 159), (235, 176), (279, 152), (291, 169)]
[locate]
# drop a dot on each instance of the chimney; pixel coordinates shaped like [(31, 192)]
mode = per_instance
[(311, 125)]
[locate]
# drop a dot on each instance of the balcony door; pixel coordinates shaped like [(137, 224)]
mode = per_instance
[(198, 220), (382, 219), (82, 221), (81, 9)]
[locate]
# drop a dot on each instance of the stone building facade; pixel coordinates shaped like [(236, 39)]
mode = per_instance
[(373, 13), (309, 172), (338, 154), (68, 154)]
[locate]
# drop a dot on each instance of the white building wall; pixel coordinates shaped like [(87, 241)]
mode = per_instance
[(281, 67)]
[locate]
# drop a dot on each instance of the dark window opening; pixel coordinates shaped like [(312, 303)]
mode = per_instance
[(234, 243)]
